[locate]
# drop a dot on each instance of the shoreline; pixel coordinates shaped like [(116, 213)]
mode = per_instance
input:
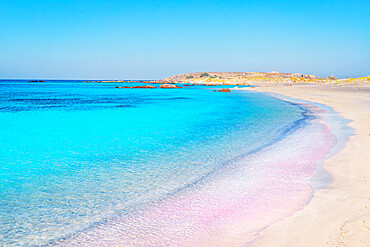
[(263, 207), (337, 215)]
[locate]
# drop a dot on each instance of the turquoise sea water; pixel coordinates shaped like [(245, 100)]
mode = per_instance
[(75, 154)]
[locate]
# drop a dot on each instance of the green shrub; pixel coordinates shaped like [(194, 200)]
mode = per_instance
[(204, 74)]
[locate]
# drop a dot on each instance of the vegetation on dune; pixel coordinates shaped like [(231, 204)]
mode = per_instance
[(204, 75), (358, 80)]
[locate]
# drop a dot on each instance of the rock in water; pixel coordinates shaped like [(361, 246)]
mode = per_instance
[(146, 86), (169, 86)]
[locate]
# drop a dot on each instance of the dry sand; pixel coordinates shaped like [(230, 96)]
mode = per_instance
[(340, 214)]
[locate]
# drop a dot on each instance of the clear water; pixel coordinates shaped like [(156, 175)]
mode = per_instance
[(73, 154)]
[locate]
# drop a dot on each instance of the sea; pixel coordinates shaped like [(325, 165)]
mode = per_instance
[(89, 164)]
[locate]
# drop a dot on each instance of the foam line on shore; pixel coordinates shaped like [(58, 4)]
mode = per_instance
[(338, 125)]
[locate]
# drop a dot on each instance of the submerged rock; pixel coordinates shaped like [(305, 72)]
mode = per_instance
[(226, 90), (146, 86), (169, 86)]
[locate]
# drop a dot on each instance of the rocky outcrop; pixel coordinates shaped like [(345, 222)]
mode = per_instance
[(225, 90)]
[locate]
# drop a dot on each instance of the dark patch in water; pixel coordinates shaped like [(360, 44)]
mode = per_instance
[(172, 98), (124, 106), (18, 104), (175, 98)]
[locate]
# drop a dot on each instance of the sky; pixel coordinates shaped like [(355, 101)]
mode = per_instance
[(111, 39)]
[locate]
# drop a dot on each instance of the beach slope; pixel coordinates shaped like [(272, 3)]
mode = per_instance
[(340, 214)]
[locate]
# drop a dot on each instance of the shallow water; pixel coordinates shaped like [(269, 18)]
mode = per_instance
[(88, 163)]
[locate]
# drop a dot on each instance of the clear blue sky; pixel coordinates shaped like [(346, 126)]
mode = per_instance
[(111, 39)]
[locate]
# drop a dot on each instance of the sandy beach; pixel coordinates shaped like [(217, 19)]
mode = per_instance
[(340, 214)]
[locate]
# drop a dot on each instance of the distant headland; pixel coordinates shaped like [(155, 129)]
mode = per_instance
[(246, 78)]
